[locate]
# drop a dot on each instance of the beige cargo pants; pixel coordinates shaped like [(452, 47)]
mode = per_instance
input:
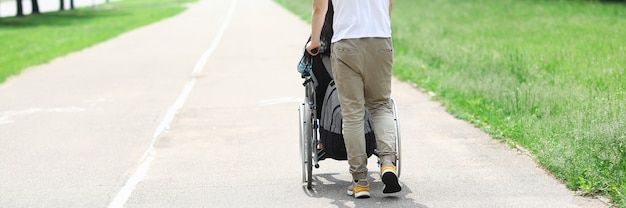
[(362, 70)]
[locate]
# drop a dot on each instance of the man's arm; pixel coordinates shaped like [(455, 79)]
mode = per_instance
[(318, 16), (390, 7)]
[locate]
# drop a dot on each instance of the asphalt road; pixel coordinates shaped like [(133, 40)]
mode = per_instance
[(200, 110)]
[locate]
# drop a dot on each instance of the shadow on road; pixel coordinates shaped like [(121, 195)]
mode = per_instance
[(330, 187)]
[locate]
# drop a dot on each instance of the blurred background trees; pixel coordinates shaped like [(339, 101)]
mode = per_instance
[(35, 6)]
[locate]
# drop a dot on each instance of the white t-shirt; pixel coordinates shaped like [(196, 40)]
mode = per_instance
[(360, 19)]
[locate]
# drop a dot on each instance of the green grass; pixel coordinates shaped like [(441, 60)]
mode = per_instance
[(302, 8), (37, 39), (546, 75)]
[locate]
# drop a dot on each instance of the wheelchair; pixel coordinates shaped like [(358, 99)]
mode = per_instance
[(311, 147)]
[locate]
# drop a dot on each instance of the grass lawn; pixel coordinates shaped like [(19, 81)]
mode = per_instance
[(36, 39), (546, 75)]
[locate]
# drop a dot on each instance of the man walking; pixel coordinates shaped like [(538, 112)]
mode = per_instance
[(362, 62)]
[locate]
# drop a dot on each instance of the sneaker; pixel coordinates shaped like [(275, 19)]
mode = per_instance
[(390, 179), (359, 189)]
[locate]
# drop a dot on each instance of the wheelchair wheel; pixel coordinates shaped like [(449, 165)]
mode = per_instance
[(306, 138), (398, 139)]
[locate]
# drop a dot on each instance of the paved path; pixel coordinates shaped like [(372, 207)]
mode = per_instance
[(200, 110)]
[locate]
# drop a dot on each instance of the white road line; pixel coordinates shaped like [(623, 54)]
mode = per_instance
[(144, 163)]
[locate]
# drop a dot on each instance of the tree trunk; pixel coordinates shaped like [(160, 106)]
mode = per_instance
[(35, 7), (72, 4), (62, 7), (20, 8)]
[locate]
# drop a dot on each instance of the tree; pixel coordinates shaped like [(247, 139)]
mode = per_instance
[(20, 8), (35, 7), (72, 4), (62, 7)]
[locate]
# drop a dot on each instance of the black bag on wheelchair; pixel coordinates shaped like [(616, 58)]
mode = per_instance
[(331, 124)]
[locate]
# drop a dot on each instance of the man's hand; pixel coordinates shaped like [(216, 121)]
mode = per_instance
[(313, 47)]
